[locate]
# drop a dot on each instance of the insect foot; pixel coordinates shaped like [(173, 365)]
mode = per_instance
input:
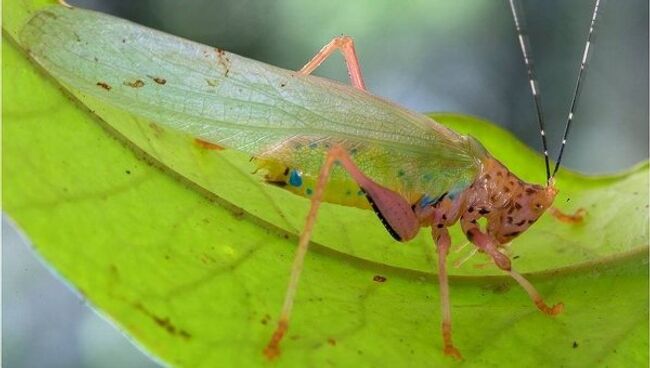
[(453, 352), (575, 218), (272, 349), (552, 311)]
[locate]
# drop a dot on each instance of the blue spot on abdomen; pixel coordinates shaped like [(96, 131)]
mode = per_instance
[(295, 180)]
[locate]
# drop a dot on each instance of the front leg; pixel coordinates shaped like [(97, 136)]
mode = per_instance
[(483, 241), (570, 218), (489, 245)]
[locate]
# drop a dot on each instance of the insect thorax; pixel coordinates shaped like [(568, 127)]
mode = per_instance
[(509, 204)]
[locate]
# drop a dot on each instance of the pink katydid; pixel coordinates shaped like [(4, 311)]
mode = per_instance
[(410, 170)]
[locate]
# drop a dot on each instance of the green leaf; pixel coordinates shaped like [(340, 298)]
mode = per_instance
[(189, 251)]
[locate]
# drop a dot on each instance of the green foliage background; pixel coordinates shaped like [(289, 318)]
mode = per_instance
[(189, 252)]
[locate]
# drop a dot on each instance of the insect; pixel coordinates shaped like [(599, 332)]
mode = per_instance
[(310, 133)]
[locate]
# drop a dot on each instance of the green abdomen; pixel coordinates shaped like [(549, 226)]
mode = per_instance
[(340, 189)]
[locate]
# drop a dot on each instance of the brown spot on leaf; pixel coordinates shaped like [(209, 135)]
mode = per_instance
[(158, 80), (104, 85), (498, 287), (379, 278), (224, 61), (208, 145), (163, 322), (134, 84), (157, 130), (331, 341)]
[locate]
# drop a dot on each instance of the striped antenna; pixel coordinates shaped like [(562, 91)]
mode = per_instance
[(532, 79), (576, 91)]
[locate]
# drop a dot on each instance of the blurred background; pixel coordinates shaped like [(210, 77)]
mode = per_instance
[(453, 56)]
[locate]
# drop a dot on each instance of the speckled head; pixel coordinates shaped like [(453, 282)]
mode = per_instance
[(512, 205)]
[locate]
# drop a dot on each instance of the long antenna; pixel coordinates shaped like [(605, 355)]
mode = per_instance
[(576, 91), (532, 79)]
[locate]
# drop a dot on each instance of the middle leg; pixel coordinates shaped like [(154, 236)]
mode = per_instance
[(442, 240)]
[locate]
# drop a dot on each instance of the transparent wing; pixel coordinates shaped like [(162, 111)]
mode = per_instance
[(247, 105)]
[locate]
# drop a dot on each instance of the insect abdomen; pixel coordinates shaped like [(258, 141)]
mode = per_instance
[(339, 190)]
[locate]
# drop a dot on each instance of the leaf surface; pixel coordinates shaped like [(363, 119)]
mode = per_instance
[(189, 251)]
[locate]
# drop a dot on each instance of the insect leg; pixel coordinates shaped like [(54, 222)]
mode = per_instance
[(441, 237), (394, 210), (346, 45), (489, 246), (574, 218), (272, 349), (535, 296)]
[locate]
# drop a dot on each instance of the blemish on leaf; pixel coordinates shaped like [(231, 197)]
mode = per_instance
[(331, 341), (157, 130), (128, 172), (379, 278), (497, 288), (134, 84), (575, 345), (224, 61), (104, 85), (163, 322), (158, 80), (212, 82), (208, 145)]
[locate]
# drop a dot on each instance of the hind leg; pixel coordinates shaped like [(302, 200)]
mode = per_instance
[(346, 46), (394, 211)]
